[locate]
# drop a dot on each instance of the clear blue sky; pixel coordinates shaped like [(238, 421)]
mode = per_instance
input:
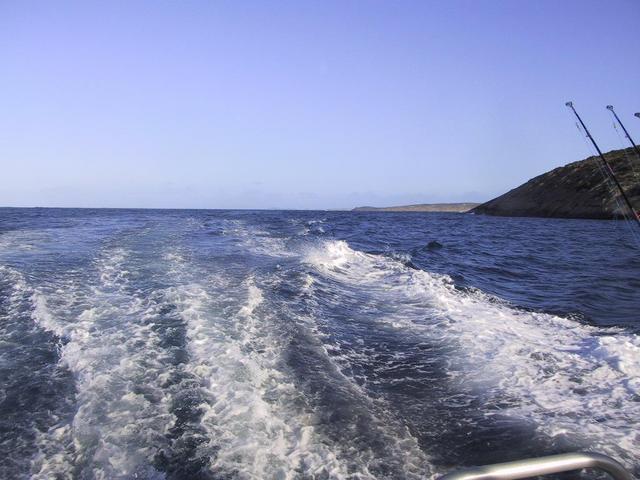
[(303, 104)]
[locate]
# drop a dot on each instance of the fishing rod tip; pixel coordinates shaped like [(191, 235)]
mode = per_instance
[(569, 104)]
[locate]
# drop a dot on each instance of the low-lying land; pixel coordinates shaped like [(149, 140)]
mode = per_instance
[(423, 207)]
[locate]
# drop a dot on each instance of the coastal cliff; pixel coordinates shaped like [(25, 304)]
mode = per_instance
[(577, 190)]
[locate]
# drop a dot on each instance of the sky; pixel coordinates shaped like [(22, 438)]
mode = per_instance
[(304, 104)]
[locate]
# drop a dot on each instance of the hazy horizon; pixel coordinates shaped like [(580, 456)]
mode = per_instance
[(309, 105)]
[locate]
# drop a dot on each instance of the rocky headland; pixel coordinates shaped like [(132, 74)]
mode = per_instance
[(577, 190)]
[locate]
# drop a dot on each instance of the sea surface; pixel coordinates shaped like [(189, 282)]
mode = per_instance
[(176, 344)]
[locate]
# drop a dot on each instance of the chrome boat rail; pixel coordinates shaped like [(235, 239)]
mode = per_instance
[(533, 467)]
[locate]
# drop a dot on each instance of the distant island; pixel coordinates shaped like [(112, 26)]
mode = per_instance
[(577, 190), (423, 207)]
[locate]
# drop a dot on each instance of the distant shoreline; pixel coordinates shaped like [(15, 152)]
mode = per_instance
[(422, 207), (440, 207), (435, 207)]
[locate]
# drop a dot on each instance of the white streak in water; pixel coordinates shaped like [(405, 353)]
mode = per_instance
[(114, 353), (252, 415), (569, 379)]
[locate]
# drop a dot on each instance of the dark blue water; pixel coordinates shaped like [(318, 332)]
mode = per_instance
[(284, 345)]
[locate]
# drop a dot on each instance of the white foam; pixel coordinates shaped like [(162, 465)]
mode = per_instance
[(255, 240), (310, 226), (22, 240), (117, 362), (42, 315), (571, 380), (17, 282), (252, 415), (255, 418)]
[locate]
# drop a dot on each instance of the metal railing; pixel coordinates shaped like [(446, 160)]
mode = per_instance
[(534, 467)]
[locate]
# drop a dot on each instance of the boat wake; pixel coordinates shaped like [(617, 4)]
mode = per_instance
[(576, 383), (217, 349)]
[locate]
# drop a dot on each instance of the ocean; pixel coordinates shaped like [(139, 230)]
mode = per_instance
[(211, 344)]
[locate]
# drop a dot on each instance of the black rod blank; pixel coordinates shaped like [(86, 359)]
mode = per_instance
[(608, 168), (633, 144)]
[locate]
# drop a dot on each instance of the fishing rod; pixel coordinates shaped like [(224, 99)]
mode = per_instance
[(633, 144), (608, 168)]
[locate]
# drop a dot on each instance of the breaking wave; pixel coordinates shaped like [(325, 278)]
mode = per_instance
[(567, 378)]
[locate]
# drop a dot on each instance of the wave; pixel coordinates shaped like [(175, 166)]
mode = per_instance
[(572, 381), (268, 411), (186, 356), (256, 240), (251, 411), (261, 418), (29, 362), (369, 438), (118, 363)]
